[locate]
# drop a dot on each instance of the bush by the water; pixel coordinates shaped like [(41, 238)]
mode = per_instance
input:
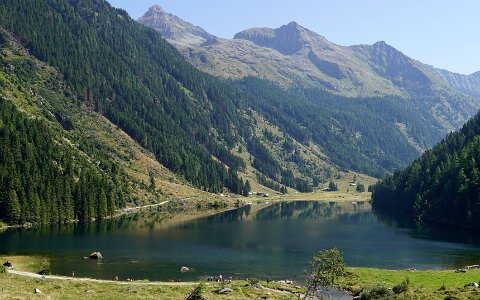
[(45, 268), (378, 291), (3, 269), (402, 287), (326, 266)]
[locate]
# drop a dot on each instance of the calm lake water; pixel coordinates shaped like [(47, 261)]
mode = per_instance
[(273, 242)]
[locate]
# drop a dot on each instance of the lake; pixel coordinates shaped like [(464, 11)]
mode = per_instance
[(264, 241)]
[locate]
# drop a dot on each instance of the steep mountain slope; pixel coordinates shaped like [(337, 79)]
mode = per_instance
[(468, 84), (139, 82), (295, 56), (357, 135), (62, 141), (127, 73), (442, 186), (425, 87)]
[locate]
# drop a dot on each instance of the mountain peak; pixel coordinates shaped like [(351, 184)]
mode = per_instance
[(287, 39), (173, 28), (155, 9), (476, 74), (292, 24)]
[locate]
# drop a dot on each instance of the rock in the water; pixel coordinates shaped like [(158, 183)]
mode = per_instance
[(184, 269), (96, 255), (37, 291), (224, 291)]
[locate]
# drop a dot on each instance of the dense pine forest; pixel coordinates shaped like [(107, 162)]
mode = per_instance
[(43, 181), (138, 81), (357, 134), (442, 186)]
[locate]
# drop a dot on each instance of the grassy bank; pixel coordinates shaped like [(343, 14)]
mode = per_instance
[(422, 284), (14, 286), (317, 196)]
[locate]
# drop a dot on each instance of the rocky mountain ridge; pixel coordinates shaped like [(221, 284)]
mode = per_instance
[(293, 56)]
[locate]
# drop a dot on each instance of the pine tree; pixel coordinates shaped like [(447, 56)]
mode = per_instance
[(13, 208), (247, 188)]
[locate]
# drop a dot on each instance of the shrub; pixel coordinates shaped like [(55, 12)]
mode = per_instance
[(325, 267), (402, 287), (197, 293), (3, 269), (45, 268), (218, 204), (252, 281), (378, 291)]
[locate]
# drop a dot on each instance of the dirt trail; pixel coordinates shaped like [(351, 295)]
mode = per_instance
[(47, 277)]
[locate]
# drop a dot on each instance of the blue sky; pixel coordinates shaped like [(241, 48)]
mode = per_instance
[(443, 33)]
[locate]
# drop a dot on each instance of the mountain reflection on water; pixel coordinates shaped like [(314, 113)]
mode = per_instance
[(274, 240)]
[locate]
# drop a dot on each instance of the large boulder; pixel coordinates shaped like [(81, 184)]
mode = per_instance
[(96, 255), (184, 269)]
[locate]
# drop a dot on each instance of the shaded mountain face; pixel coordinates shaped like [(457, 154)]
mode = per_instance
[(174, 28)]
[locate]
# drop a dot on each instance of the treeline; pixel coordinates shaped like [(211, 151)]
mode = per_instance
[(356, 134), (263, 180), (43, 181), (442, 186)]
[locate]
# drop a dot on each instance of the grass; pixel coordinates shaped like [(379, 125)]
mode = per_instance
[(25, 263), (423, 284), (19, 287), (318, 196)]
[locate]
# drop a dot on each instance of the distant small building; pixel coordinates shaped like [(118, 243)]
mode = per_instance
[(262, 194)]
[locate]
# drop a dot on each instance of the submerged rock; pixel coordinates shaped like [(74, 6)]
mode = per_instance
[(96, 255)]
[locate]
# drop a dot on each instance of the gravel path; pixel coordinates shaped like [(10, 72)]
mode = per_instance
[(46, 277)]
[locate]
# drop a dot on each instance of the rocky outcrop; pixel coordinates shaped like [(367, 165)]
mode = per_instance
[(173, 28)]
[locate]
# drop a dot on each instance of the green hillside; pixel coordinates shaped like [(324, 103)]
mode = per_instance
[(442, 186)]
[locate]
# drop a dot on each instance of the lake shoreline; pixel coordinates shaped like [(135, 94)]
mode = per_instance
[(431, 284), (230, 201)]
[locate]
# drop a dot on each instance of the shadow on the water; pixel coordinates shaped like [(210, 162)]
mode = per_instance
[(403, 222)]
